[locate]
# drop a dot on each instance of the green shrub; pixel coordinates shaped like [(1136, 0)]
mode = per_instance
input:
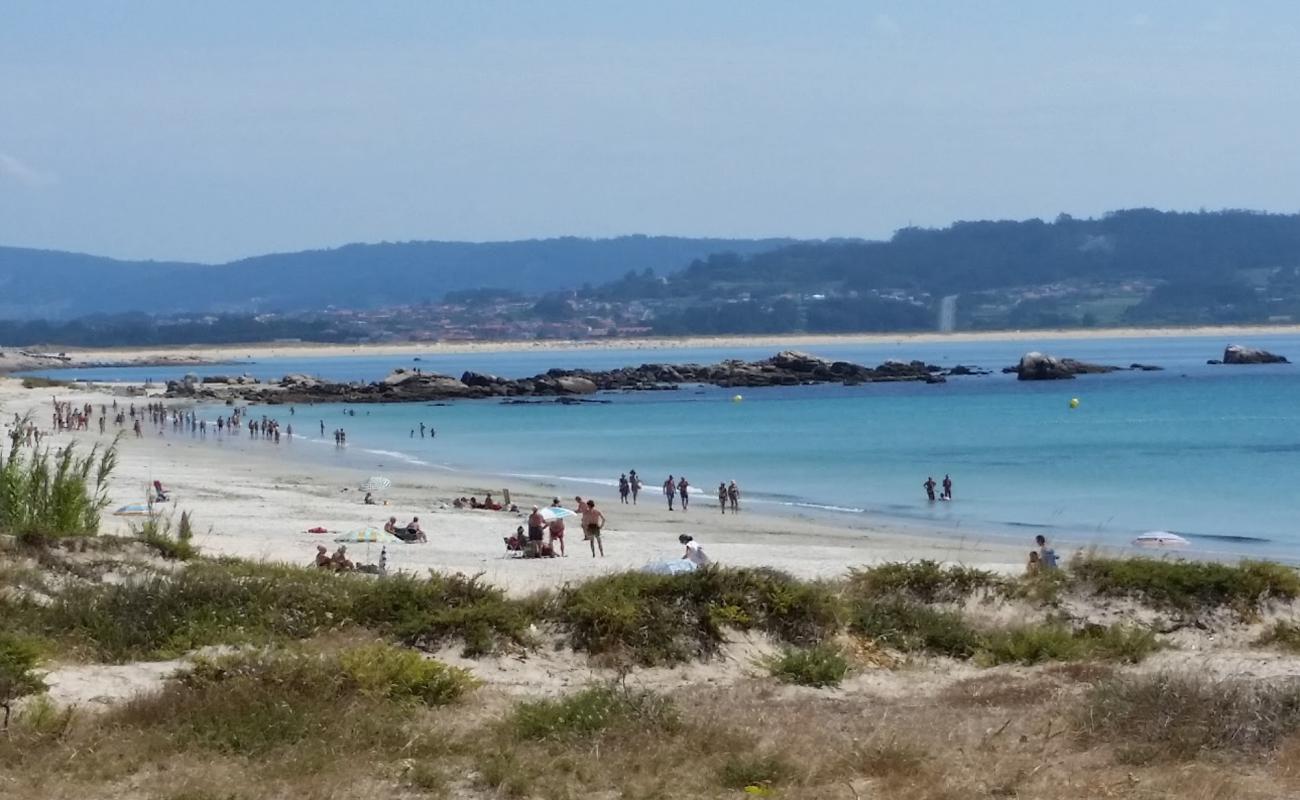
[(1189, 585), (744, 771), (156, 533), (924, 581), (1035, 644), (590, 712), (404, 675), (255, 702), (1282, 634), (237, 602), (44, 497), (1163, 716), (19, 658), (911, 627), (665, 619), (820, 665)]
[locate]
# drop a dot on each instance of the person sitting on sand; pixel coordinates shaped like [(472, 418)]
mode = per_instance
[(391, 526), (593, 522), (489, 504), (1032, 567), (340, 562), (459, 502), (322, 557), (694, 552), (369, 499), (1046, 555), (414, 533)]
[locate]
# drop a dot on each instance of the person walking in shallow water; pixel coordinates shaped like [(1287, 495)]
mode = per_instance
[(929, 488), (947, 487), (670, 491)]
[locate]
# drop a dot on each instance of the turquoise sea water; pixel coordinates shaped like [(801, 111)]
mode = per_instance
[(1209, 452)]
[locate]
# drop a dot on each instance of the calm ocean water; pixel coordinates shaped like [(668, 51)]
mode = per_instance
[(1210, 452)]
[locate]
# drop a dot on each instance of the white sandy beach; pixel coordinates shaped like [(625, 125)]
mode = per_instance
[(254, 499), (12, 360)]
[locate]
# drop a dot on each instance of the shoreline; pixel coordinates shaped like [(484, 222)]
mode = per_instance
[(254, 499), (209, 355)]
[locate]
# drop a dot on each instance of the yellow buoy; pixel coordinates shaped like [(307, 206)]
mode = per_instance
[(1074, 402), (737, 399)]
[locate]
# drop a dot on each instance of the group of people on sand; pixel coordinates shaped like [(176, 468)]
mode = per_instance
[(544, 537), (410, 533), (930, 486), (1043, 559), (487, 504)]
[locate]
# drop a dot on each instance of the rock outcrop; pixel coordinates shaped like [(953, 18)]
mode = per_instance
[(1237, 354), (789, 368), (1035, 366)]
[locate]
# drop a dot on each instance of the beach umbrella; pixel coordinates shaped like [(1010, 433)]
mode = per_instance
[(554, 512), (1160, 539), (674, 567), (376, 483), (133, 510), (368, 536)]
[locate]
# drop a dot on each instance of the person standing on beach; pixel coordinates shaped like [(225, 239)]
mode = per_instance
[(322, 428), (683, 488), (634, 481), (670, 491), (733, 495), (593, 522), (947, 487), (421, 430), (722, 497), (929, 487), (624, 488)]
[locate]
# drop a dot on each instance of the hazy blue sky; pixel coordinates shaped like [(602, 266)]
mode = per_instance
[(212, 130)]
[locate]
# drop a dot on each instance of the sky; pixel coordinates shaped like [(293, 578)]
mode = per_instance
[(206, 131)]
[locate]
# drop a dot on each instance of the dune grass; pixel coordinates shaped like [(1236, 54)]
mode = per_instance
[(237, 602), (914, 628), (1189, 586), (666, 619), (1282, 635), (1035, 644), (924, 581), (44, 496), (1181, 717), (820, 666)]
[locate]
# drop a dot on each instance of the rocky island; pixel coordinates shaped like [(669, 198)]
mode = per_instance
[(788, 368)]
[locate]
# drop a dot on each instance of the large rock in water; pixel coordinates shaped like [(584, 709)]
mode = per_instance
[(1236, 354), (1036, 366)]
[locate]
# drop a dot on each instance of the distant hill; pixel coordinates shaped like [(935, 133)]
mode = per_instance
[(1138, 266), (48, 284)]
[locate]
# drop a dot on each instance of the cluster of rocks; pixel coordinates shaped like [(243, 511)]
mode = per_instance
[(404, 385), (789, 368), (1237, 354), (1037, 366)]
